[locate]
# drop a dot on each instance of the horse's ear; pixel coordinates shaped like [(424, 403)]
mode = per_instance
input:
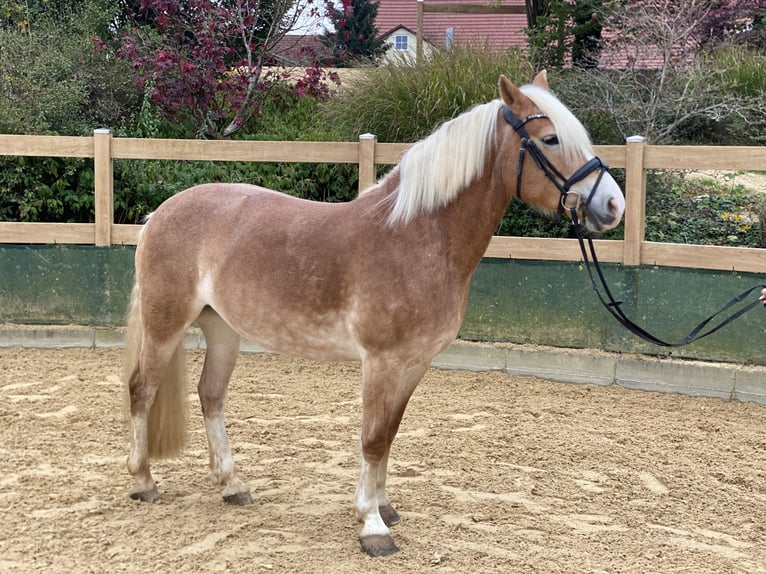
[(541, 80), (508, 91)]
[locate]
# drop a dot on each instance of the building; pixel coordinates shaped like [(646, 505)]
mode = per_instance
[(397, 22)]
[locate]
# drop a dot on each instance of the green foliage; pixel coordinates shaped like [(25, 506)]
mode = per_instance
[(355, 37), (739, 70), (54, 82), (401, 103), (141, 185), (716, 99), (561, 28), (46, 189), (700, 211)]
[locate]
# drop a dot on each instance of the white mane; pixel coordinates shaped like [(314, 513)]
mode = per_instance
[(436, 169)]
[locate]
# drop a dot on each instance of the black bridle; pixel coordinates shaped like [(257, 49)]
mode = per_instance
[(571, 201), (563, 184)]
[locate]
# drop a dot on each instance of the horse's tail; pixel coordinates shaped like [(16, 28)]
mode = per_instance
[(168, 415)]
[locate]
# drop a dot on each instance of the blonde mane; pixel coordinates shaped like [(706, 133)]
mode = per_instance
[(573, 137), (436, 169)]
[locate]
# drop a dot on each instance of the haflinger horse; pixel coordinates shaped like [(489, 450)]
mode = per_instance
[(383, 279)]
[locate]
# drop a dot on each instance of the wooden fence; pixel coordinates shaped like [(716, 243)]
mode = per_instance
[(636, 156)]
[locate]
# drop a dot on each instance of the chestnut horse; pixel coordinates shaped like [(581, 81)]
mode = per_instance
[(382, 279)]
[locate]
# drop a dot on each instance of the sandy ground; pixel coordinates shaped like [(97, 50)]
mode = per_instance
[(490, 473)]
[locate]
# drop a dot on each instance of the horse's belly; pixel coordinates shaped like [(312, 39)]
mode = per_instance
[(321, 341)]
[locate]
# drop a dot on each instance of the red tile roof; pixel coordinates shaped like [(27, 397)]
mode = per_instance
[(501, 31)]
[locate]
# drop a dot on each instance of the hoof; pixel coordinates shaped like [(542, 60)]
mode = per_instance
[(389, 515), (378, 545), (152, 495), (238, 499)]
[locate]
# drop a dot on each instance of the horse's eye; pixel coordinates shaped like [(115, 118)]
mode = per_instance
[(551, 140)]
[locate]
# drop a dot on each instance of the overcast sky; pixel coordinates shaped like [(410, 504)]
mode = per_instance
[(309, 23)]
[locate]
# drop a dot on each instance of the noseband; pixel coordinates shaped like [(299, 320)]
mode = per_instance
[(570, 200)]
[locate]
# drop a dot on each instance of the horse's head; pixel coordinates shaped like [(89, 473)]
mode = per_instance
[(551, 161)]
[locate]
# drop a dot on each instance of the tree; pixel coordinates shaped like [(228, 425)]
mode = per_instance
[(535, 10), (586, 42), (354, 37), (557, 28), (678, 30), (54, 79), (203, 60), (667, 77), (732, 21)]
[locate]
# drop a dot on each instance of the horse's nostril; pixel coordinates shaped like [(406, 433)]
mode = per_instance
[(615, 208)]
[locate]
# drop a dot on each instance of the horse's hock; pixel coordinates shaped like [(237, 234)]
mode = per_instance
[(491, 472)]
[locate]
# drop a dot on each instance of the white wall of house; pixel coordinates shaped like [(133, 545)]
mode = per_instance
[(403, 47)]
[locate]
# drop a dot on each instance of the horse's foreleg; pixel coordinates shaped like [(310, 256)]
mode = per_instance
[(375, 537), (385, 393), (387, 512), (222, 350)]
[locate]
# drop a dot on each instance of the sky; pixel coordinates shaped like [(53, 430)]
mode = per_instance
[(309, 23)]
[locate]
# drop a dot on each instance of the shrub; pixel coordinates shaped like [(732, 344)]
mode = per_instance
[(702, 211), (46, 189), (404, 103), (285, 115), (716, 98), (55, 81)]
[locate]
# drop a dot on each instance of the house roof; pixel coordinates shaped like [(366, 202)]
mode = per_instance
[(500, 31), (300, 49), (396, 29)]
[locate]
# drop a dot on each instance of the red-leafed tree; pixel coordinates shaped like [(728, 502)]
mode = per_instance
[(202, 61)]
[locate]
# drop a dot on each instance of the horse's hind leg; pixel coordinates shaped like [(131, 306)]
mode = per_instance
[(157, 363), (222, 350)]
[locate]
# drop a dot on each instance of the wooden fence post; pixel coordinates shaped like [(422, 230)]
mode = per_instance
[(104, 186), (419, 35), (366, 161), (635, 200)]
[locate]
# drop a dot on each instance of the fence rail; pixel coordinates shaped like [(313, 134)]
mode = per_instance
[(636, 156)]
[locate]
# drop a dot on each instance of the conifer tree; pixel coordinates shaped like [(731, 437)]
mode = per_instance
[(355, 37)]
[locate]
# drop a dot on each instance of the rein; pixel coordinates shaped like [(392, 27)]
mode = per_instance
[(606, 298)]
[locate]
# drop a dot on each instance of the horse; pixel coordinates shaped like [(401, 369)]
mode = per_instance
[(382, 279)]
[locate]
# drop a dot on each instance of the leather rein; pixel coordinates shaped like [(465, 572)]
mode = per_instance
[(572, 202)]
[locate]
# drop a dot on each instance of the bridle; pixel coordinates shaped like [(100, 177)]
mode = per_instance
[(572, 201)]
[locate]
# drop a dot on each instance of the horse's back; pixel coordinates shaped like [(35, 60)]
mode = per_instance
[(275, 267)]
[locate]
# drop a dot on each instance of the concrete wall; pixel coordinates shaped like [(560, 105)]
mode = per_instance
[(63, 284), (545, 303), (553, 303)]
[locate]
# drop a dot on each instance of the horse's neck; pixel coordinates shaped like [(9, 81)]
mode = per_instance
[(471, 219), (463, 228)]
